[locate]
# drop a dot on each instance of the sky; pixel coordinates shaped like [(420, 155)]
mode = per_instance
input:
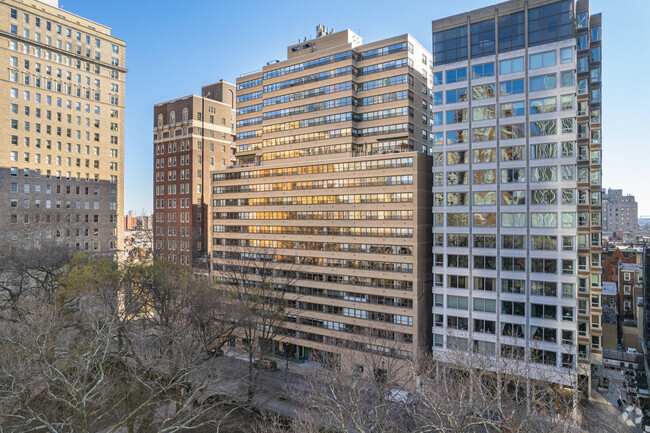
[(175, 47)]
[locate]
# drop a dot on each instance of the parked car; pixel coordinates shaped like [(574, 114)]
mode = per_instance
[(215, 351), (400, 396), (266, 364)]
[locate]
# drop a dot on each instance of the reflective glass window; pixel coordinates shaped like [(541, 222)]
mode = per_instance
[(550, 23), (482, 37), (511, 32)]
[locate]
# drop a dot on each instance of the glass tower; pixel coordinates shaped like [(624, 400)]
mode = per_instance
[(517, 186)]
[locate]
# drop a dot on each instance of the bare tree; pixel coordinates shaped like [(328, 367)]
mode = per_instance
[(258, 283), (466, 391), (110, 350)]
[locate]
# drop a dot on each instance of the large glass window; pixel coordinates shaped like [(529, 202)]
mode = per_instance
[(543, 151), (512, 131), (450, 45), (543, 82), (482, 37), (511, 32), (483, 70), (583, 20), (457, 116), (595, 54), (541, 60), (566, 55), (512, 87), (457, 95), (543, 105), (544, 127), (456, 75), (595, 34), (512, 109), (482, 92), (455, 137), (567, 78), (483, 113), (550, 23), (511, 65)]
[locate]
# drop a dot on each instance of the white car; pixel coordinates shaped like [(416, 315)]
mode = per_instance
[(400, 396)]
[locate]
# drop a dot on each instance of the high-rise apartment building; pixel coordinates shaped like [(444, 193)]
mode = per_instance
[(192, 136), (620, 212), (333, 183), (517, 185), (62, 134)]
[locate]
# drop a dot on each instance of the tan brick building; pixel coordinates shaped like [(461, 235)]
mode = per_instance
[(62, 128), (192, 136), (333, 180)]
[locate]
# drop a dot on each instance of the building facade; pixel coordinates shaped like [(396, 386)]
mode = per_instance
[(192, 136), (517, 185), (62, 163), (620, 212), (130, 222), (332, 183), (613, 257), (630, 289)]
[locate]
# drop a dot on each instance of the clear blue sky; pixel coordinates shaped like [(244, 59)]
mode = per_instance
[(175, 47)]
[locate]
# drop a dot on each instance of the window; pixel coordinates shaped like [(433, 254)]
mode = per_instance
[(566, 102), (511, 32), (567, 79), (514, 175), (512, 109), (512, 87), (511, 65), (544, 127), (482, 38), (457, 116), (544, 105), (457, 302), (550, 23), (450, 45), (456, 75), (484, 326), (483, 113), (566, 55), (595, 34), (542, 311), (543, 82), (484, 70), (457, 95), (516, 130), (460, 323), (541, 60), (484, 305), (513, 264), (483, 134), (482, 92), (513, 242), (513, 308), (568, 125), (484, 241)]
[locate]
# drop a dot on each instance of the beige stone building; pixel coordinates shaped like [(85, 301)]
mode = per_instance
[(333, 183), (62, 128), (192, 136)]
